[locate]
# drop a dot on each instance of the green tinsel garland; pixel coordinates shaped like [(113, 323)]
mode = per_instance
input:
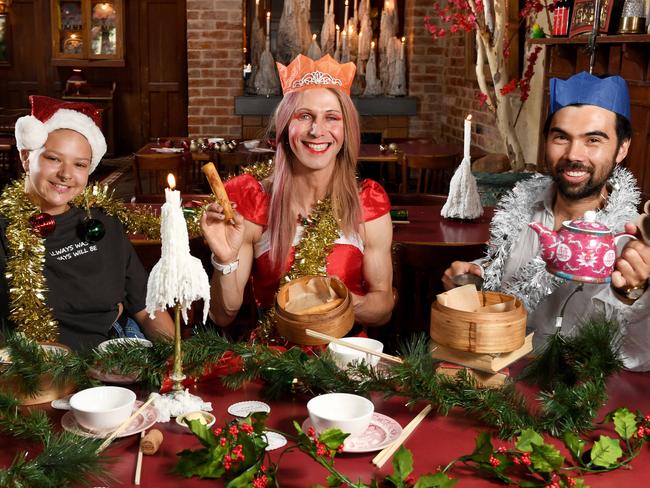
[(564, 405), (569, 404)]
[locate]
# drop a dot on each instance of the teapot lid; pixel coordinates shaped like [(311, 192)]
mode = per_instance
[(587, 224)]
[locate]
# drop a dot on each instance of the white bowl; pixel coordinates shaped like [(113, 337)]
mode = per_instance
[(102, 407), (207, 417), (343, 356), (215, 140), (252, 144), (344, 411)]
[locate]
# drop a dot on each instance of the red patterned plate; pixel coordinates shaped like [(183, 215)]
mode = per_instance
[(142, 421), (381, 432)]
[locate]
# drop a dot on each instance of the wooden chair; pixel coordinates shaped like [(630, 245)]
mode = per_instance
[(433, 172), (159, 165)]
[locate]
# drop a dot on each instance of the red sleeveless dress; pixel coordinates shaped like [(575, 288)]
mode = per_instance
[(345, 259)]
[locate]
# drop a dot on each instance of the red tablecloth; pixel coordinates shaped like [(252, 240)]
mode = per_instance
[(434, 443)]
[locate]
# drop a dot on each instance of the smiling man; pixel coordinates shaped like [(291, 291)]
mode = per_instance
[(588, 133)]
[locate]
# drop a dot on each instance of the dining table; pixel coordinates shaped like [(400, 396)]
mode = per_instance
[(435, 442)]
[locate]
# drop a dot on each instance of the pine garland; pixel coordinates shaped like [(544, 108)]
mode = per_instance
[(28, 308)]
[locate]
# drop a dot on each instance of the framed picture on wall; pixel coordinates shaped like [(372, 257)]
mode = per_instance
[(582, 19)]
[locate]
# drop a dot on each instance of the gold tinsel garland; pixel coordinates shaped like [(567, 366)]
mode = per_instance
[(28, 309), (310, 258)]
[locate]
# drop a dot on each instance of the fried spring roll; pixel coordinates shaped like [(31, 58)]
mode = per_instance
[(218, 189)]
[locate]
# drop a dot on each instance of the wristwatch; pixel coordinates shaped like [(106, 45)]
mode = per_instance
[(633, 293), (224, 269)]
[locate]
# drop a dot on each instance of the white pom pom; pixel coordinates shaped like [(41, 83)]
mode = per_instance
[(30, 133)]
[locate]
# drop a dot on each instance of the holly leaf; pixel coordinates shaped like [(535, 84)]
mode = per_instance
[(483, 449), (333, 480), (438, 480), (624, 423), (204, 434), (528, 439), (606, 452), (245, 479), (575, 445), (205, 463), (332, 438), (546, 458), (403, 463)]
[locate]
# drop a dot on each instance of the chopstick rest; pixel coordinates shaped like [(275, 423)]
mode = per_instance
[(151, 442)]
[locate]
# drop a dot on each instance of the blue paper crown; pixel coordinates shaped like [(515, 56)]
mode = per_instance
[(609, 93)]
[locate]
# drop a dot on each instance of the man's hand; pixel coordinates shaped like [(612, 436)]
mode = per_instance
[(632, 268), (456, 268)]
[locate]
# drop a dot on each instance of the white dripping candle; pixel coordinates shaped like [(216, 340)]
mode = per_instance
[(467, 136), (345, 17), (401, 52), (337, 39), (178, 277), (268, 30)]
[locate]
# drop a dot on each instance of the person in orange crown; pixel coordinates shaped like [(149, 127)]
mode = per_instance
[(318, 138)]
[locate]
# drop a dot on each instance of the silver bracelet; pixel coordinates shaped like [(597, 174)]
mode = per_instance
[(224, 269)]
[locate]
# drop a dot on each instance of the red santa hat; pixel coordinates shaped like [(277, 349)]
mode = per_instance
[(49, 114)]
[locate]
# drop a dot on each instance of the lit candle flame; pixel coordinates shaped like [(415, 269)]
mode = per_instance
[(171, 181), (372, 44), (403, 40), (351, 29), (313, 37), (268, 15), (338, 28), (469, 117)]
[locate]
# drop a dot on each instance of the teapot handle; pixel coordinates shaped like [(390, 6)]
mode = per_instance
[(620, 236)]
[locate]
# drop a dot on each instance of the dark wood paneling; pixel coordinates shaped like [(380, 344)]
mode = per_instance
[(151, 94), (163, 72)]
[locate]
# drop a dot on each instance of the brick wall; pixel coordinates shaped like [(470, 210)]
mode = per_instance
[(436, 76), (214, 63)]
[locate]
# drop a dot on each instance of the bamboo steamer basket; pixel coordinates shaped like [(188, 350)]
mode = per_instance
[(480, 332), (336, 322), (48, 390)]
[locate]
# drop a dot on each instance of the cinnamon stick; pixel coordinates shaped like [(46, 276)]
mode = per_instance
[(219, 191)]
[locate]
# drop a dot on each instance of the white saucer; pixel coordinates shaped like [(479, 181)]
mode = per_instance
[(274, 440), (142, 421), (114, 378), (381, 432), (244, 409)]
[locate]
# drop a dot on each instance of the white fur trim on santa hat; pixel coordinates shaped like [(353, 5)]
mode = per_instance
[(31, 133)]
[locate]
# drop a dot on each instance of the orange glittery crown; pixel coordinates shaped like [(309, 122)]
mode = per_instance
[(303, 73)]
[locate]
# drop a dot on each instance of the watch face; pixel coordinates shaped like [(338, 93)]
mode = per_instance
[(635, 293)]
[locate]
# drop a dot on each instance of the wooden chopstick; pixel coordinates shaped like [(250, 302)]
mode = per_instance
[(329, 338), (123, 425), (385, 454), (138, 463)]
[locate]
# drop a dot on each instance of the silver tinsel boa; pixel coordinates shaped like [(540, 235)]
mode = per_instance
[(515, 210)]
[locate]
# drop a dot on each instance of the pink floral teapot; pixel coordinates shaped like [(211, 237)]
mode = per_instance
[(582, 250)]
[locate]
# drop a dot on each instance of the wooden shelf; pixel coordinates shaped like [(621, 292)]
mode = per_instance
[(89, 63), (601, 39)]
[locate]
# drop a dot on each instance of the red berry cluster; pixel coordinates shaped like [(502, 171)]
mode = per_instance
[(321, 449), (455, 13), (524, 84)]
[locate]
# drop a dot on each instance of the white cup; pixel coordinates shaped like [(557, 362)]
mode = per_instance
[(343, 356), (102, 407), (344, 411)]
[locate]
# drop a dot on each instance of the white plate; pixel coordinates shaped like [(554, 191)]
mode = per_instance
[(167, 149), (275, 440), (243, 409), (118, 379), (381, 432), (142, 421), (215, 140), (261, 150)]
